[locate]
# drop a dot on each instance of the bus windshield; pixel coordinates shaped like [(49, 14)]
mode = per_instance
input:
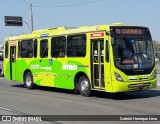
[(133, 53)]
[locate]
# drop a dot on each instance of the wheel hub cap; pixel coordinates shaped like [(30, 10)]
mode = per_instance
[(28, 81), (84, 86)]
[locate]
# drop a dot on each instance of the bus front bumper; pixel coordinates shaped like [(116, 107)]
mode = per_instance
[(133, 86)]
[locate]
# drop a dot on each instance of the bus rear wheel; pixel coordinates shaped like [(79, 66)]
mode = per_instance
[(84, 86), (28, 81)]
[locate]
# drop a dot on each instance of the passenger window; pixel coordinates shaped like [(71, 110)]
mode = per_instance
[(76, 45), (58, 46), (27, 48), (6, 50), (35, 48), (44, 48)]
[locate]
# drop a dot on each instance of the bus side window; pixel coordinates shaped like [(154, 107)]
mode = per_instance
[(19, 49), (44, 48), (76, 45), (6, 50), (58, 46), (27, 48), (35, 48)]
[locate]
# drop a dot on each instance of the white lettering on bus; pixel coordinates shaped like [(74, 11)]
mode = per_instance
[(96, 35), (69, 67), (46, 68), (35, 66)]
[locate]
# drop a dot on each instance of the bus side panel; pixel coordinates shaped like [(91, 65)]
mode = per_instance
[(21, 66), (60, 73), (7, 69), (7, 65), (43, 72), (69, 69)]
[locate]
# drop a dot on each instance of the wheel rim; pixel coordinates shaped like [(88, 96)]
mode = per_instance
[(28, 80), (84, 86)]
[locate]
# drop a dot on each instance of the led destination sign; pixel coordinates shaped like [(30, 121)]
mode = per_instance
[(128, 31)]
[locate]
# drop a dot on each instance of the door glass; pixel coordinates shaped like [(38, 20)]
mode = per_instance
[(12, 63), (102, 76), (95, 52), (13, 54), (98, 63), (102, 51), (96, 74)]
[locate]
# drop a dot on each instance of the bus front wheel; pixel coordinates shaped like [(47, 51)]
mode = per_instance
[(28, 81), (84, 86)]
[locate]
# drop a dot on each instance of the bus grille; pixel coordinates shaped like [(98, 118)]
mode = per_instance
[(144, 79), (134, 87)]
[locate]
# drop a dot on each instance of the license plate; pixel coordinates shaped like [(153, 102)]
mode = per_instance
[(140, 85)]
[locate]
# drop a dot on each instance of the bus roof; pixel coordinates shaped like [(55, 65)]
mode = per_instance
[(64, 31)]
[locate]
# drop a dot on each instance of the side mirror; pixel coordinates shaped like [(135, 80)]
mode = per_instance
[(107, 33)]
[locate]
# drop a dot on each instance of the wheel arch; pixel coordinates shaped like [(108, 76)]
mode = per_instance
[(78, 75)]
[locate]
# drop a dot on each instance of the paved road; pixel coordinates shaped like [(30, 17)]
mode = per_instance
[(16, 100)]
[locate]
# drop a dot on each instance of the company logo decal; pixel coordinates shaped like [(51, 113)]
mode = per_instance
[(69, 67)]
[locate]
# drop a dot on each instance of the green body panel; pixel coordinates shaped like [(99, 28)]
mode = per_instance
[(7, 70), (46, 74)]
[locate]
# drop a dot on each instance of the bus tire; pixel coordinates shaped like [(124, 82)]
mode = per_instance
[(28, 81), (84, 86)]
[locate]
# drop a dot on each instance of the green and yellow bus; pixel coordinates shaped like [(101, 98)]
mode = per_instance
[(110, 58)]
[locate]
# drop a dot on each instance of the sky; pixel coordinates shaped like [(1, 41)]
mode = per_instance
[(75, 13)]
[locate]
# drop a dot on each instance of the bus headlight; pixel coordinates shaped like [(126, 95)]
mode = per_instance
[(118, 77)]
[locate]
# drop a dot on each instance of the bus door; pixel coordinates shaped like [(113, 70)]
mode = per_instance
[(97, 63), (12, 62)]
